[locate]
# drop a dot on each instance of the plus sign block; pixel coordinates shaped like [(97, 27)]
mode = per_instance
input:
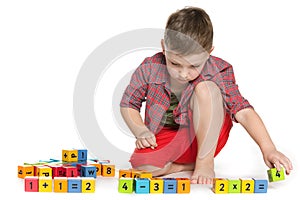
[(69, 155), (45, 184), (275, 175)]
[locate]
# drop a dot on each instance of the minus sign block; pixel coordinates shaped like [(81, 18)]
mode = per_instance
[(142, 185)]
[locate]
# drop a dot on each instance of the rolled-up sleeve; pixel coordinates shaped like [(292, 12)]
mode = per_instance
[(135, 92), (233, 99)]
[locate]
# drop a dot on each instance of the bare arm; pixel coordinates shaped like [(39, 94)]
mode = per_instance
[(253, 124), (133, 119)]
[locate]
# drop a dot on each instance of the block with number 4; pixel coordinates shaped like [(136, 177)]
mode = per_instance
[(125, 185), (275, 175)]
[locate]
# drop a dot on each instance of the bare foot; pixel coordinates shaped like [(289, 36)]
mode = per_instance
[(203, 172)]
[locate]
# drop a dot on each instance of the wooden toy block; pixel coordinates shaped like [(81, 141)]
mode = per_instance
[(69, 155), (220, 186), (183, 185), (70, 171), (125, 185), (142, 185), (58, 171), (247, 185), (45, 184), (145, 175), (156, 185), (125, 173), (88, 171), (260, 186), (275, 175), (44, 171), (136, 173), (60, 184), (31, 184), (234, 186), (82, 154), (98, 168), (88, 185), (74, 185), (25, 170), (170, 185), (108, 170)]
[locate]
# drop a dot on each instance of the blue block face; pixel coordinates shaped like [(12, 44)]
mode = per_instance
[(142, 186), (82, 154), (260, 186), (88, 171), (74, 185), (170, 185)]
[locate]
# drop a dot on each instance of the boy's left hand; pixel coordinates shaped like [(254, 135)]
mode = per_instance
[(277, 159)]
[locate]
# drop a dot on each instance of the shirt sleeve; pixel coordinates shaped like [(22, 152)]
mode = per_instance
[(233, 99), (135, 93)]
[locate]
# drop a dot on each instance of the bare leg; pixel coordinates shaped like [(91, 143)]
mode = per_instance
[(208, 116), (169, 168)]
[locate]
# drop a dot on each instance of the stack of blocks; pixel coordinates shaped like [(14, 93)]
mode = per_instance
[(246, 185), (74, 174), (142, 182)]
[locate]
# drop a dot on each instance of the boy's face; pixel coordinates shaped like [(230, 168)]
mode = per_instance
[(183, 69)]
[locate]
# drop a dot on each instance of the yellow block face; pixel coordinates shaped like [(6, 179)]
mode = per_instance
[(88, 185), (44, 171), (247, 186), (108, 170), (156, 185), (220, 186), (69, 155), (45, 184), (146, 175), (136, 173), (183, 185), (124, 173), (60, 184), (25, 170)]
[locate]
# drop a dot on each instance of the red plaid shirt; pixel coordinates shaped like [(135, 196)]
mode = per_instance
[(150, 83)]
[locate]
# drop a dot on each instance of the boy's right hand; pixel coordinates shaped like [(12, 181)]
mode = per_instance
[(145, 140)]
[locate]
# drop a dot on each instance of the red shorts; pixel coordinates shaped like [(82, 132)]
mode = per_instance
[(176, 145)]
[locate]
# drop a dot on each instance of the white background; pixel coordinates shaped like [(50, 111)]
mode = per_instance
[(43, 45)]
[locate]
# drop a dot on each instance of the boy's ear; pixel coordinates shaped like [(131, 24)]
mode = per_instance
[(162, 43)]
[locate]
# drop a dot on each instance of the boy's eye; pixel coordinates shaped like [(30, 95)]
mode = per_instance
[(176, 64)]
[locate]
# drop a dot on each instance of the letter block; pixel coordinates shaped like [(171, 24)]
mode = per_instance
[(69, 155), (156, 185), (25, 170), (142, 185), (82, 154), (74, 185), (145, 175), (136, 173), (125, 185), (108, 170), (31, 184), (88, 185), (220, 186), (234, 186), (275, 175), (183, 185), (98, 168), (44, 171), (60, 184), (88, 171), (70, 171), (170, 185), (261, 186), (247, 185), (124, 173), (45, 184)]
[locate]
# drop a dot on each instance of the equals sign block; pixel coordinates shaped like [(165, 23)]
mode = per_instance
[(260, 186), (170, 185), (74, 185)]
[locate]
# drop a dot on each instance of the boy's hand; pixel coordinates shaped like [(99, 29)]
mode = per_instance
[(146, 139), (277, 159)]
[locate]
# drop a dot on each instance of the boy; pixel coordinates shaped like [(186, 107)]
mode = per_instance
[(191, 100)]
